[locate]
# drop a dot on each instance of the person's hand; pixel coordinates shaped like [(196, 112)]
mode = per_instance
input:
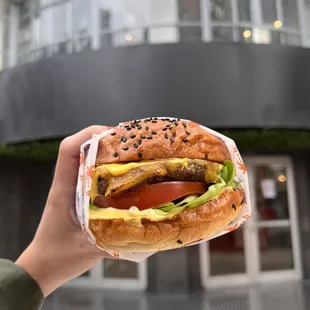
[(60, 251)]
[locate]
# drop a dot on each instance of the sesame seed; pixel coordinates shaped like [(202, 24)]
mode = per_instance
[(143, 137), (123, 139), (140, 141), (147, 127), (113, 133), (174, 134), (234, 207), (180, 242), (125, 148), (166, 136), (170, 128), (154, 121), (128, 128), (136, 145), (187, 132), (172, 140), (154, 132), (185, 140), (176, 123), (140, 155), (235, 189), (179, 119), (185, 125), (139, 127), (164, 129), (132, 136), (168, 125), (115, 154), (149, 137)]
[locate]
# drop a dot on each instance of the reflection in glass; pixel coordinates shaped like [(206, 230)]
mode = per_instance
[(271, 192), (290, 39), (275, 249), (245, 34), (190, 33), (189, 10), (59, 23), (269, 9), (163, 12), (221, 10), (80, 18), (227, 254), (222, 34), (244, 10), (290, 14), (120, 269)]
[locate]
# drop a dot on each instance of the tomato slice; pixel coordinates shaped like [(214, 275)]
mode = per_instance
[(150, 196)]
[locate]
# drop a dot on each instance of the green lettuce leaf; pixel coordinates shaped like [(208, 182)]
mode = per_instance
[(226, 180)]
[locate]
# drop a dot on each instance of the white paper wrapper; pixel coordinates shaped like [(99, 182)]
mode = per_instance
[(87, 162)]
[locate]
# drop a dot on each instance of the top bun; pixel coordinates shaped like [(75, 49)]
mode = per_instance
[(154, 138)]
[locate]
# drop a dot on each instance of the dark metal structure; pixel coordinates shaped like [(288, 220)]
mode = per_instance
[(227, 85)]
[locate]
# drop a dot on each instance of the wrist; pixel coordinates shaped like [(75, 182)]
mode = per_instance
[(42, 269)]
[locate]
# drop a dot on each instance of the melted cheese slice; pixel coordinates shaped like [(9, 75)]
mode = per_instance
[(119, 169), (133, 216)]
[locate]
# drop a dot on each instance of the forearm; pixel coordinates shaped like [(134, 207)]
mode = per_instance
[(18, 290), (51, 269)]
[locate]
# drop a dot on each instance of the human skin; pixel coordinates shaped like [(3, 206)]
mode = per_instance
[(60, 251)]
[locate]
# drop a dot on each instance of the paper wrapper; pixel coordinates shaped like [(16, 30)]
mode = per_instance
[(87, 163)]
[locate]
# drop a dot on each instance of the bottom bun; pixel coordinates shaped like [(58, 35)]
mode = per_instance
[(189, 226)]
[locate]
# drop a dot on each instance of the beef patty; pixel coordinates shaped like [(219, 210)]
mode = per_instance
[(162, 171)]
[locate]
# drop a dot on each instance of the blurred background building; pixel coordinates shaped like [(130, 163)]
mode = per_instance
[(239, 66)]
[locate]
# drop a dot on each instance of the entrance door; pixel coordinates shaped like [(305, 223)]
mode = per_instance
[(114, 274), (266, 248)]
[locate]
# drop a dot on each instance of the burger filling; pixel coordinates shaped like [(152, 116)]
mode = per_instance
[(158, 189)]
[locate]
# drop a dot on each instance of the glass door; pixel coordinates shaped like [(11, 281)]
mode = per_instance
[(114, 274), (273, 228), (266, 247)]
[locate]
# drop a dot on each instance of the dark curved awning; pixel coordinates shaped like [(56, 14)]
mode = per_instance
[(221, 85)]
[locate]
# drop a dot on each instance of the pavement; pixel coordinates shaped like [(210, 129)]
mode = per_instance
[(280, 296)]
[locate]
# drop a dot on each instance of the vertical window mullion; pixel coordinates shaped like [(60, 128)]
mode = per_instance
[(69, 26), (206, 20), (95, 24), (235, 18), (256, 13), (303, 23), (279, 8)]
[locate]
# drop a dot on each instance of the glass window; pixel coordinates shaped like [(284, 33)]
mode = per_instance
[(222, 34), (244, 10), (189, 10), (59, 23), (164, 12), (81, 25), (190, 33), (269, 9), (120, 269), (276, 249), (221, 10), (127, 20), (290, 14)]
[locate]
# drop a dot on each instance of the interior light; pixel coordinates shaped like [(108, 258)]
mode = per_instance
[(128, 37), (247, 33), (282, 178), (277, 24)]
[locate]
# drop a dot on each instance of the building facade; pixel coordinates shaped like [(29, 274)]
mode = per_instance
[(228, 64)]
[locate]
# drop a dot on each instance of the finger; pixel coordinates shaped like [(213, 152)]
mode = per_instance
[(68, 158)]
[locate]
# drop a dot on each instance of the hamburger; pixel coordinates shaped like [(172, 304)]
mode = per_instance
[(160, 184)]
